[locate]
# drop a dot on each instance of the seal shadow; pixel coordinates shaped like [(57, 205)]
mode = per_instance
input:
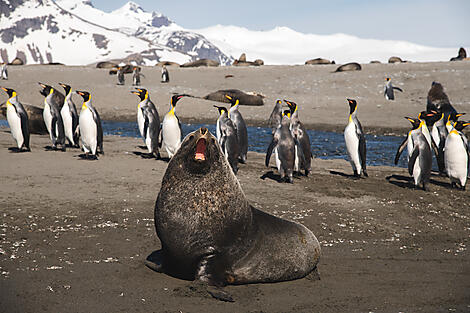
[(344, 175)]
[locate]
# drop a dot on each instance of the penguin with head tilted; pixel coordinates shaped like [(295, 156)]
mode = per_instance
[(148, 122), (283, 145), (408, 142), (228, 140), (420, 161), (388, 89), (456, 153), (120, 75), (91, 130), (165, 75), (355, 141), (17, 120), (3, 71), (218, 132), (239, 123), (70, 117), (52, 116), (136, 76), (303, 154), (171, 128), (276, 116)]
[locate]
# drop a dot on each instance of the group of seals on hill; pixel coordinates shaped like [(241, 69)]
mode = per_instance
[(210, 233)]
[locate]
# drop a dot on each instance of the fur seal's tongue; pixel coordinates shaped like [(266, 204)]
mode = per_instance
[(200, 150)]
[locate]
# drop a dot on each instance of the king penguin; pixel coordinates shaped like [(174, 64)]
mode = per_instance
[(408, 142), (171, 129), (228, 140), (388, 89), (70, 117), (276, 116), (148, 122), (283, 144), (3, 71), (240, 126), (17, 120), (355, 141), (165, 75), (120, 75), (456, 154), (136, 76), (303, 154), (420, 161), (90, 127), (52, 116)]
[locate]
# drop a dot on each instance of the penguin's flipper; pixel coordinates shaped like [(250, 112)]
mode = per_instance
[(271, 147), (397, 88), (435, 149), (412, 160), (25, 129), (146, 124), (400, 150), (54, 129), (223, 139), (300, 151), (160, 137), (362, 151)]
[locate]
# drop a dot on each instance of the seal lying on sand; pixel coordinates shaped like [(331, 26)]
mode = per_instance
[(244, 98), (210, 233), (201, 62), (461, 56), (349, 67)]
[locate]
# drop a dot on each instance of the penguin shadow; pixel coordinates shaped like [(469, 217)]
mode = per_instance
[(17, 150), (276, 177), (401, 181), (87, 157), (441, 183), (350, 176), (145, 155), (51, 148)]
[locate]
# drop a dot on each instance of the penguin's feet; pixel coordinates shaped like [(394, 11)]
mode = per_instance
[(453, 185), (365, 173)]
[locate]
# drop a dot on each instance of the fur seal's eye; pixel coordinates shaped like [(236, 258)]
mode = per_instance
[(191, 137), (213, 140)]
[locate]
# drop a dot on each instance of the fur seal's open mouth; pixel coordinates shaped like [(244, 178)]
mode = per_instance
[(200, 150)]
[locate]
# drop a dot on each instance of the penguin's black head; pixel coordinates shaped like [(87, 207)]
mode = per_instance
[(233, 100), (46, 89), (286, 113), (11, 93), (414, 122), (66, 87), (460, 125), (352, 105), (142, 93), (427, 117), (454, 116), (199, 152), (175, 99), (221, 109), (292, 106), (387, 79), (278, 101), (85, 95)]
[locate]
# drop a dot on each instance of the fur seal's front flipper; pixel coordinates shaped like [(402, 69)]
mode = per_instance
[(154, 261)]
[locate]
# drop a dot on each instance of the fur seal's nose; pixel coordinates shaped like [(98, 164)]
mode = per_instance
[(203, 131)]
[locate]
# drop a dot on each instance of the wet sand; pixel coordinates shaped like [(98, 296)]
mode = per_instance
[(74, 233)]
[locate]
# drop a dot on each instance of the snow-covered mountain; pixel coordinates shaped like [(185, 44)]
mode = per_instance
[(151, 26), (283, 45), (40, 31)]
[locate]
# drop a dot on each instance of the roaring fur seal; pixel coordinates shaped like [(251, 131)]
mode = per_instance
[(210, 233), (349, 67), (244, 98)]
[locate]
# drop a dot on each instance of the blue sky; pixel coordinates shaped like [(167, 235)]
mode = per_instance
[(444, 23)]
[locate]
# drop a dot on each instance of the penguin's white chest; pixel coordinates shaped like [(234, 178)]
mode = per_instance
[(352, 145), (88, 131), (15, 125), (46, 114), (140, 121), (171, 134), (456, 158), (67, 119), (409, 146)]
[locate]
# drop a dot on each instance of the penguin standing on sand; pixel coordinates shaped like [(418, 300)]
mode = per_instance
[(120, 75), (408, 142), (171, 129), (165, 75), (420, 162), (148, 121), (3, 71), (228, 140), (355, 141), (283, 144), (52, 116), (70, 117), (303, 154), (240, 126), (388, 89), (136, 76), (456, 154), (91, 130), (276, 116), (17, 120)]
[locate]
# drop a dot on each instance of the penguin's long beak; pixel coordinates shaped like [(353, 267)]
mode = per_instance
[(228, 97)]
